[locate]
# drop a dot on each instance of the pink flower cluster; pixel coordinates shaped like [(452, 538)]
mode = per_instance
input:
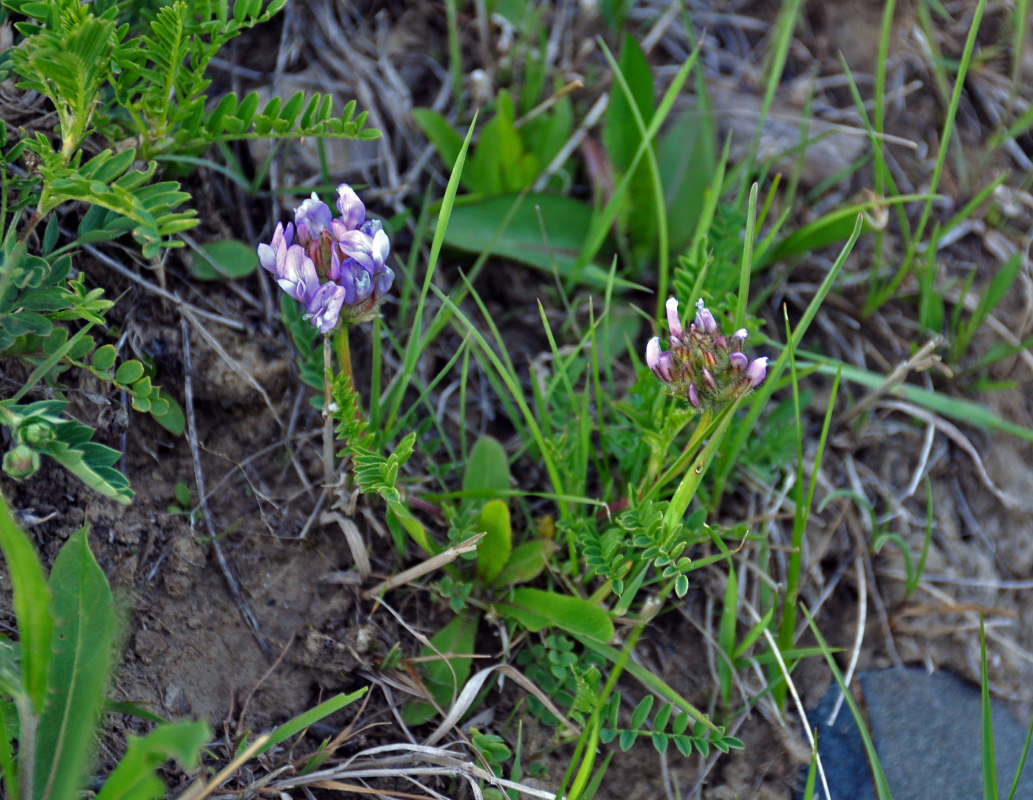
[(334, 267), (702, 365)]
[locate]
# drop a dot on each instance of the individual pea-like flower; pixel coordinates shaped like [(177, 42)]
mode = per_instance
[(702, 365), (336, 268)]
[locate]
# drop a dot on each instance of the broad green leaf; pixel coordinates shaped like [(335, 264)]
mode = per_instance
[(687, 159), (536, 609), (499, 163), (82, 655), (439, 133), (544, 231), (487, 467), (494, 549), (31, 600), (525, 563), (134, 778), (224, 259), (444, 677), (620, 134)]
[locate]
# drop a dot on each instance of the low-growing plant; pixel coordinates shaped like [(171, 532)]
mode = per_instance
[(54, 677), (128, 90)]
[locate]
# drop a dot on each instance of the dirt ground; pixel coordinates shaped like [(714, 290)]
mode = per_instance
[(189, 653)]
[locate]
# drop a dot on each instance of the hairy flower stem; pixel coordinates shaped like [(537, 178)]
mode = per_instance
[(690, 481), (328, 420), (344, 358)]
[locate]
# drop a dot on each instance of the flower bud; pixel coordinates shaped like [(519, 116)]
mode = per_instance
[(21, 462), (674, 321), (757, 371), (660, 363), (704, 319)]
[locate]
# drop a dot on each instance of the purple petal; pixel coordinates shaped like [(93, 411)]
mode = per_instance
[(271, 255), (353, 212), (382, 280), (738, 361), (312, 217), (298, 277), (693, 395), (708, 379), (324, 308), (738, 339), (355, 244), (381, 247)]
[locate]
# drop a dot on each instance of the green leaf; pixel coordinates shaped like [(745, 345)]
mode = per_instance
[(224, 259), (536, 609), (31, 600), (439, 133), (104, 358), (487, 467), (687, 160), (544, 231), (296, 725), (134, 778), (525, 563), (172, 419), (83, 637), (494, 549), (638, 716), (499, 163), (445, 677), (129, 372), (620, 134)]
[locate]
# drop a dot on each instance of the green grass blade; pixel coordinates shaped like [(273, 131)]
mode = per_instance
[(986, 728)]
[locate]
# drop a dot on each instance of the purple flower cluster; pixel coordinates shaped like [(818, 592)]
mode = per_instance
[(334, 267), (702, 365)]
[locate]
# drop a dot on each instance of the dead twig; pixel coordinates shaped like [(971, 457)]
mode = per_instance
[(195, 454)]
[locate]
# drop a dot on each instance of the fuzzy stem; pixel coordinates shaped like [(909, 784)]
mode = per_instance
[(344, 359), (328, 421)]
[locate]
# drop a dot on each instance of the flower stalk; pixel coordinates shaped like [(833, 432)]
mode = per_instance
[(335, 268)]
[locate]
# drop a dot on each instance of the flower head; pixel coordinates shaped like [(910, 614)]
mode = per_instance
[(701, 364), (336, 268)]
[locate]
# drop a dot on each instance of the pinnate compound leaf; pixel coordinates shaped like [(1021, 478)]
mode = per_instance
[(134, 778), (82, 656), (31, 598)]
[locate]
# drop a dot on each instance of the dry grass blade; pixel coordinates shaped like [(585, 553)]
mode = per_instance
[(430, 565), (409, 762), (472, 688), (198, 790)]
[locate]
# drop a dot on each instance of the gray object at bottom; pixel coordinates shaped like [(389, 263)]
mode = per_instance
[(926, 730)]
